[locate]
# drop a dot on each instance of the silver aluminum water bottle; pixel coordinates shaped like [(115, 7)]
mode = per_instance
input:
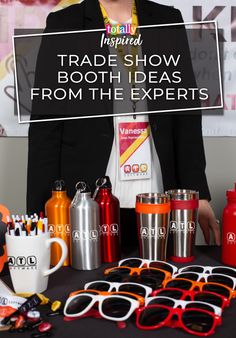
[(153, 215), (85, 231), (183, 223)]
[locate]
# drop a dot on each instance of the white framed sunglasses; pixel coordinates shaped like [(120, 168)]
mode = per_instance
[(111, 307), (136, 288), (183, 304), (225, 270), (208, 277), (136, 262)]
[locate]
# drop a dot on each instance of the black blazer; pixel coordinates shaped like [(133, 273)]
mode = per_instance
[(65, 149)]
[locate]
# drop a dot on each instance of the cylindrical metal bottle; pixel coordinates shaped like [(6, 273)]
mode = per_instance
[(228, 253), (85, 232), (57, 211), (109, 207), (183, 223), (153, 214)]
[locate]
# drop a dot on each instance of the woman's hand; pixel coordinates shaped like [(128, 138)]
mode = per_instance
[(208, 221)]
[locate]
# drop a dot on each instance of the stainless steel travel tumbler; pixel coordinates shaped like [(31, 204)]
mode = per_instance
[(85, 232), (183, 223), (153, 213)]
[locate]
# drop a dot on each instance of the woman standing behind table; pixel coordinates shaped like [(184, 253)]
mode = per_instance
[(58, 150)]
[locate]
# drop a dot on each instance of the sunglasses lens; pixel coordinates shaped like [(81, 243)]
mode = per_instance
[(188, 275), (153, 273), (100, 286), (137, 289), (114, 277), (225, 271), (133, 263), (148, 281), (171, 293), (224, 280), (162, 266), (193, 269), (115, 307), (180, 284), (78, 304), (122, 271), (197, 321), (153, 316), (221, 290), (200, 306), (162, 301), (209, 298)]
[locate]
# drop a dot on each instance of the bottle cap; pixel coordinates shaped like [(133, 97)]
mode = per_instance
[(231, 193), (104, 182), (59, 185), (82, 187)]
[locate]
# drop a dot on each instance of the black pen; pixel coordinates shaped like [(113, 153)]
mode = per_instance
[(24, 231), (17, 232)]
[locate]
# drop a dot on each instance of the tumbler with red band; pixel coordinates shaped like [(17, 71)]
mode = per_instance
[(153, 213), (228, 255), (183, 223), (109, 207)]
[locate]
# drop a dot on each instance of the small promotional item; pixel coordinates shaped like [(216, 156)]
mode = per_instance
[(85, 230), (153, 213), (183, 223), (57, 212), (228, 253), (134, 150), (29, 261), (109, 207)]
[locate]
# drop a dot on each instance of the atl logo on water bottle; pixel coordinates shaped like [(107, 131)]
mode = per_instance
[(109, 229), (79, 235), (231, 238)]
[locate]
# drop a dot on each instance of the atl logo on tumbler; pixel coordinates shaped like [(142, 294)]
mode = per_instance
[(22, 262), (182, 226), (146, 232)]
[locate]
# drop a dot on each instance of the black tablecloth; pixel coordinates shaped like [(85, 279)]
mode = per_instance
[(62, 282)]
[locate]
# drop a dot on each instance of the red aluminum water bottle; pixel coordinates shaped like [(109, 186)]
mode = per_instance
[(109, 220), (229, 229)]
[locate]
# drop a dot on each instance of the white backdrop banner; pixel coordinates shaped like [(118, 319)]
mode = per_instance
[(224, 12), (32, 14)]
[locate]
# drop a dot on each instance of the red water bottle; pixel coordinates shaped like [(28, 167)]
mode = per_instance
[(229, 229), (109, 220)]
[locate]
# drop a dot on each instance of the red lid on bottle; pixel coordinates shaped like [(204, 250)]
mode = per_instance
[(231, 193)]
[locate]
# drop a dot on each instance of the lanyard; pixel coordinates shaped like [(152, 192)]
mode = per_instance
[(134, 49)]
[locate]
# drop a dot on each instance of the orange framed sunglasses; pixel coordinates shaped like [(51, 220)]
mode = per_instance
[(187, 284)]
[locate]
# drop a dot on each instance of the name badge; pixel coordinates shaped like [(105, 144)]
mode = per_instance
[(134, 150)]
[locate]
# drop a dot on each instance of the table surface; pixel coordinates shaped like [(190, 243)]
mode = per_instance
[(62, 282)]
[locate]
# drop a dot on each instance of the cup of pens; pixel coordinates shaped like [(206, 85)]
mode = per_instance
[(28, 249)]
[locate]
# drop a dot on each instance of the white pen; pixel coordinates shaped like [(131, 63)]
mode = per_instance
[(45, 222)]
